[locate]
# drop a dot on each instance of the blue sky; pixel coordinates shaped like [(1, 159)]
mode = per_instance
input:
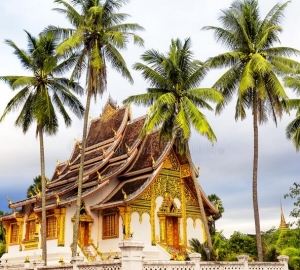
[(226, 167)]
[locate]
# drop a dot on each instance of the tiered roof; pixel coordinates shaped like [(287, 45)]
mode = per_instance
[(114, 150)]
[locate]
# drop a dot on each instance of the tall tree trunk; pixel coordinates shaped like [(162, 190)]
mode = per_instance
[(254, 180), (44, 218), (203, 215), (80, 176)]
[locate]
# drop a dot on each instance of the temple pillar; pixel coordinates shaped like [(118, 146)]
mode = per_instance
[(183, 210), (60, 215), (152, 215), (20, 222), (132, 254), (125, 213), (162, 225)]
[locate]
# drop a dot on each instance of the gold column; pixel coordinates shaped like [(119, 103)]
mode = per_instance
[(125, 212), (20, 222), (60, 215), (162, 225), (6, 225), (90, 233), (183, 210), (152, 215)]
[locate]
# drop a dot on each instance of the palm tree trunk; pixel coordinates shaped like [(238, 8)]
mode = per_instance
[(254, 180), (203, 216), (80, 176), (44, 218)]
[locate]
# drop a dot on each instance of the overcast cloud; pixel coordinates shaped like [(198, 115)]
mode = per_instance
[(225, 168)]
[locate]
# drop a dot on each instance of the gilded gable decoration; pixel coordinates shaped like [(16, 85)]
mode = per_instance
[(185, 170), (171, 162), (169, 207)]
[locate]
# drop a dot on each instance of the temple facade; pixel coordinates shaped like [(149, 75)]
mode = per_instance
[(132, 187)]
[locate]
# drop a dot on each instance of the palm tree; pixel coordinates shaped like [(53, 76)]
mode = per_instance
[(38, 96), (98, 34), (174, 99), (254, 65), (293, 128), (35, 187), (216, 201)]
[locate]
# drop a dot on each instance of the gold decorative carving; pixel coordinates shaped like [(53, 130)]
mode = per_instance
[(60, 214), (185, 170), (125, 212), (108, 112), (171, 162), (167, 184), (183, 209), (152, 215)]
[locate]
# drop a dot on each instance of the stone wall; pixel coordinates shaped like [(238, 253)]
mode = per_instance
[(132, 258)]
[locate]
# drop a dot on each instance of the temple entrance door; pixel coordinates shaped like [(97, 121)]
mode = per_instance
[(172, 231), (84, 233)]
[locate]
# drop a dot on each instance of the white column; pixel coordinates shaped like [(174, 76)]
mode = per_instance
[(244, 259), (196, 258), (284, 259), (131, 254), (76, 260)]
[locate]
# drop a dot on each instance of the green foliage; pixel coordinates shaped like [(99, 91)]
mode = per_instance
[(293, 128), (240, 243), (98, 32), (35, 188), (44, 90), (216, 201), (295, 195), (174, 95), (2, 249), (253, 67)]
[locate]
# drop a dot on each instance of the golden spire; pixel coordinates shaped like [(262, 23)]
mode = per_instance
[(69, 162), (57, 161), (282, 225), (91, 118), (115, 132), (99, 176)]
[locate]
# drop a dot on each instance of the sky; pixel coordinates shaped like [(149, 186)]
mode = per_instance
[(225, 167)]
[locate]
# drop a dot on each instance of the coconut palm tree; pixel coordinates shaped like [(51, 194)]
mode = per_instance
[(293, 128), (253, 66), (174, 98), (39, 95), (98, 33), (35, 187)]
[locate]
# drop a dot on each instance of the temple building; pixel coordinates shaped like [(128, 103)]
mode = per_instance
[(132, 187)]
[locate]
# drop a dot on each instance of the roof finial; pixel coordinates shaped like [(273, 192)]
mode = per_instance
[(9, 200), (127, 147), (153, 160), (125, 195)]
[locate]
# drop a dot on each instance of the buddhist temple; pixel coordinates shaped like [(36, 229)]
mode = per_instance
[(132, 187)]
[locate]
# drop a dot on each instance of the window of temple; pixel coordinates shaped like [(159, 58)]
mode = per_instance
[(110, 228), (51, 227), (14, 236), (30, 230)]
